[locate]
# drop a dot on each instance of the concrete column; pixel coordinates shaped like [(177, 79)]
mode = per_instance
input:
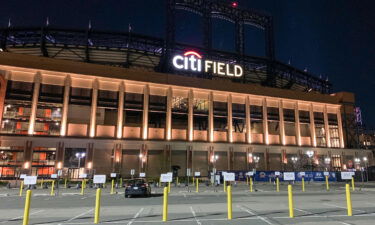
[(282, 127), (89, 162), (146, 94), (248, 119), (189, 159), (326, 127), (65, 108), (265, 122), (211, 117), (168, 120), (120, 110), (339, 122), (94, 102), (117, 158), (190, 133), (230, 120), (27, 157), (34, 104), (59, 161), (298, 125), (230, 158), (266, 159), (143, 161), (312, 126)]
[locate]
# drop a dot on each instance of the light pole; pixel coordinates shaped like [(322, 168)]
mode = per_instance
[(294, 161), (327, 161), (357, 162), (256, 160), (310, 154), (214, 158), (80, 155), (366, 166)]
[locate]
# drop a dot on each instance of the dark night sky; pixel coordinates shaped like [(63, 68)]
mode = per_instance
[(334, 39)]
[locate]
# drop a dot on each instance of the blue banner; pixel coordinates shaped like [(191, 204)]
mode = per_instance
[(265, 176)]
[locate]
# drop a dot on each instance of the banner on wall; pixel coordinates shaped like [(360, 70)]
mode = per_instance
[(267, 175)]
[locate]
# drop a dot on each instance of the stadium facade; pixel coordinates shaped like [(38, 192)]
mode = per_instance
[(150, 110)]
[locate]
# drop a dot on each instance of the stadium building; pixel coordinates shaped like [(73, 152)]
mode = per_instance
[(86, 101)]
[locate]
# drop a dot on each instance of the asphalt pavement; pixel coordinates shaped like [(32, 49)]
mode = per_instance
[(209, 206)]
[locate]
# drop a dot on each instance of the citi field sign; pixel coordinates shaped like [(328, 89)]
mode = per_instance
[(193, 61)]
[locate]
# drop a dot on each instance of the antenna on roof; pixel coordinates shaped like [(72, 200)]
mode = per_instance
[(47, 22), (9, 23), (89, 24)]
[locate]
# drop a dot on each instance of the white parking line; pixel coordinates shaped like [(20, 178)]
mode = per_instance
[(252, 213), (75, 217), (135, 216), (195, 216), (340, 207), (19, 217), (304, 211)]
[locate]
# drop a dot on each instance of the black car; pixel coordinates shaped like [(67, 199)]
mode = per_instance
[(137, 187)]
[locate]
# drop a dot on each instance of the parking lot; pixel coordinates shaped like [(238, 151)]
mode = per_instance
[(209, 206)]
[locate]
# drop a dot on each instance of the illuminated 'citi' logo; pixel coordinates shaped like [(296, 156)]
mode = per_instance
[(193, 61)]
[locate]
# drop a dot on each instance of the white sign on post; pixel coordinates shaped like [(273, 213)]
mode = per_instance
[(99, 179), (289, 176), (165, 177), (326, 173), (302, 174), (188, 172), (22, 176), (83, 176), (142, 174), (277, 173), (229, 177), (30, 180), (132, 172), (197, 174), (113, 175), (346, 175), (54, 176)]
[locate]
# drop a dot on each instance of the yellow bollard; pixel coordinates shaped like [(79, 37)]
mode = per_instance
[(21, 188), (169, 187), (277, 184), (97, 205), (327, 184), (177, 181), (112, 187), (82, 188), (53, 188), (65, 183), (303, 184), (27, 208), (165, 204), (41, 183), (247, 180), (251, 184), (290, 200), (229, 199), (348, 200), (353, 188), (225, 186), (196, 185)]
